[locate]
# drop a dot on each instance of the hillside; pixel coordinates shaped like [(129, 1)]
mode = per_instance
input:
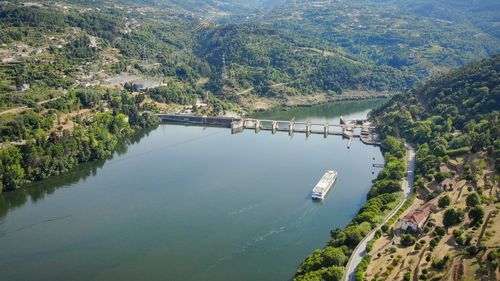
[(456, 111), (273, 50), (417, 37), (454, 122)]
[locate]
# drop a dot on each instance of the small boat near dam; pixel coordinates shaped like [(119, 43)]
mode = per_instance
[(323, 186)]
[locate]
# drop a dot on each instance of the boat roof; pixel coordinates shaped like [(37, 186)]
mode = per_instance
[(325, 182)]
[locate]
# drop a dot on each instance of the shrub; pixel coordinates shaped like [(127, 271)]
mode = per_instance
[(444, 201), (473, 199), (407, 276), (394, 249), (440, 231), (476, 215), (360, 271), (452, 217), (458, 232), (439, 265), (433, 243), (407, 240)]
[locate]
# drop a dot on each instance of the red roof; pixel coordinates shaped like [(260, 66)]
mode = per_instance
[(421, 214)]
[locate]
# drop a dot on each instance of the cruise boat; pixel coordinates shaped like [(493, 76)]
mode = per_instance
[(323, 186)]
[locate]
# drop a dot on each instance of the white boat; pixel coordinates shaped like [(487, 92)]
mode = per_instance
[(323, 186)]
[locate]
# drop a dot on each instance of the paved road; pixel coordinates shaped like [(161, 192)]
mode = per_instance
[(360, 250)]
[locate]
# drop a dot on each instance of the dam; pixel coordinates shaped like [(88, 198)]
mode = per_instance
[(349, 129)]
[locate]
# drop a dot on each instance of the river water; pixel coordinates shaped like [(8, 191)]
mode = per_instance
[(190, 203)]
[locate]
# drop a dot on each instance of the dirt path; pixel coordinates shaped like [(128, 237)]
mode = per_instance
[(485, 225), (20, 109)]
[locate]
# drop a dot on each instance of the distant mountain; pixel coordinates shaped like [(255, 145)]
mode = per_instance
[(428, 36), (483, 14), (204, 6), (304, 47)]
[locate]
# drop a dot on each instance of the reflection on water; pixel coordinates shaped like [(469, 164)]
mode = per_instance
[(38, 190), (329, 112)]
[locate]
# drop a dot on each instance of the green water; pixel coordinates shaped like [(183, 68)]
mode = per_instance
[(189, 203)]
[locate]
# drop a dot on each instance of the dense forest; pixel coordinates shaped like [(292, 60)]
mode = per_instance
[(452, 114)]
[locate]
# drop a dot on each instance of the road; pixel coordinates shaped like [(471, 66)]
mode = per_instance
[(360, 251)]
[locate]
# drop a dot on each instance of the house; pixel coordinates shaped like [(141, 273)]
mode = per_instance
[(416, 219)]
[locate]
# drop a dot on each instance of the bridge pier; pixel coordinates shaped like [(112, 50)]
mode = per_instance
[(237, 126), (275, 126), (291, 126), (258, 125), (326, 129)]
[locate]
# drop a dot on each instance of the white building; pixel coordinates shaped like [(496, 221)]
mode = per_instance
[(416, 219)]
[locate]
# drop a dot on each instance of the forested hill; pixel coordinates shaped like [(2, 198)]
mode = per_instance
[(450, 115), (295, 48), (415, 36)]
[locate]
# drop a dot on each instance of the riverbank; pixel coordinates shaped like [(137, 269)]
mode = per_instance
[(360, 252), (383, 197), (258, 104)]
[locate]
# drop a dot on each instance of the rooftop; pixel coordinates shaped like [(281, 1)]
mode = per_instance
[(419, 215)]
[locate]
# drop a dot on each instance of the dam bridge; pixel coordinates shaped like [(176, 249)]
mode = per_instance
[(349, 129)]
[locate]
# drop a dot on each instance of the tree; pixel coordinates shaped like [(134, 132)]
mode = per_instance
[(476, 214), (440, 231), (452, 217), (334, 256), (407, 240), (444, 201), (13, 176), (473, 199)]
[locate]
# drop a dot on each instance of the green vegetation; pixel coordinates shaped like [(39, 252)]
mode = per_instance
[(456, 110), (444, 201), (407, 240), (473, 199), (331, 48), (452, 217), (451, 115), (396, 216), (360, 271), (476, 215), (47, 150)]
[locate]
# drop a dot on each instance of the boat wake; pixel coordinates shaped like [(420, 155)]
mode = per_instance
[(243, 210)]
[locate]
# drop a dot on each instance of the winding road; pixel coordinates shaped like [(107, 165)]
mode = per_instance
[(360, 251)]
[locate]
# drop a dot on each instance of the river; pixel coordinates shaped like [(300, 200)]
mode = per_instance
[(190, 203)]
